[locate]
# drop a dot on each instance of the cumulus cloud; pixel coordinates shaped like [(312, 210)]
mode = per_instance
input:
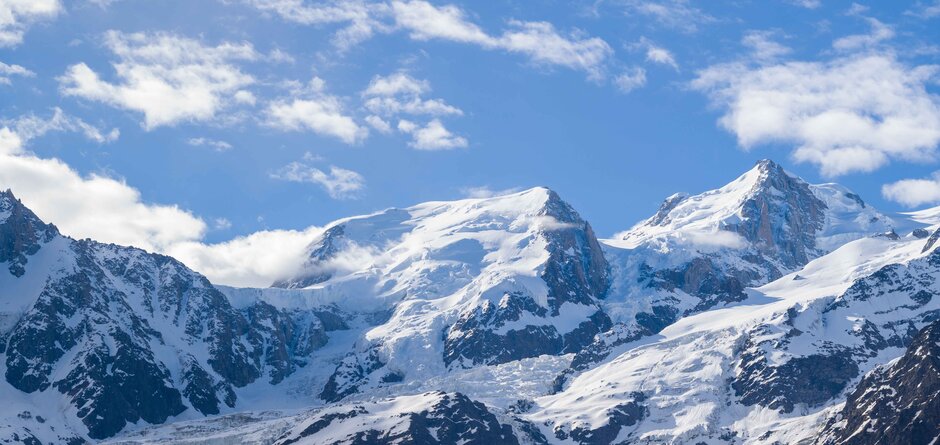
[(7, 71), (433, 136), (388, 97), (630, 79), (339, 183), (206, 142), (310, 108), (255, 260), (95, 206), (17, 15), (168, 78), (400, 93), (852, 113), (914, 192)]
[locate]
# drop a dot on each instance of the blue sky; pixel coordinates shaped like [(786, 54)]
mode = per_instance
[(180, 125)]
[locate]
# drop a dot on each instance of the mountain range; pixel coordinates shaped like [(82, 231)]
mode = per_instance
[(767, 311)]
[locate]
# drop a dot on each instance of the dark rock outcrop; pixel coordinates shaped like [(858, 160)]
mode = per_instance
[(576, 274), (896, 404), (449, 418)]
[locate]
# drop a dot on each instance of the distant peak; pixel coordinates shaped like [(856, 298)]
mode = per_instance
[(767, 164)]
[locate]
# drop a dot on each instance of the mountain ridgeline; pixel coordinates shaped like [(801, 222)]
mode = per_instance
[(769, 310)]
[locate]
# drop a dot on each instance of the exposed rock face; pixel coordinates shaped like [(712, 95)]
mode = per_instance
[(811, 354), (896, 404), (776, 216), (811, 380), (481, 282), (619, 417), (353, 372), (125, 335), (699, 252), (517, 327), (21, 233), (432, 418)]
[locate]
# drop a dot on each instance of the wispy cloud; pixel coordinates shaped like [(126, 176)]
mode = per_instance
[(339, 183), (540, 41), (206, 142), (7, 71), (630, 79)]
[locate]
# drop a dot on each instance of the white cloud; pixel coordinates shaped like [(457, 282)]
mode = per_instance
[(631, 79), (926, 11), (395, 84), (94, 206), (433, 136), (660, 55), (17, 15), (914, 192), (676, 14), (381, 125), (311, 109), (109, 210), (359, 17), (486, 192), (400, 93), (853, 113), (879, 33), (538, 40), (544, 45), (15, 134), (7, 71), (423, 21), (278, 55), (808, 4), (763, 47), (339, 183), (206, 142), (255, 260), (170, 79), (221, 224)]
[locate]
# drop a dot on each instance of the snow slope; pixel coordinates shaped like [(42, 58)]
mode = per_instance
[(738, 372)]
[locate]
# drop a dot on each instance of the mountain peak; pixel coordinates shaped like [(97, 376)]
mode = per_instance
[(21, 232), (778, 214), (768, 165)]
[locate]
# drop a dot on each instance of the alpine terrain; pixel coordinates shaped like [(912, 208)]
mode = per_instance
[(766, 311)]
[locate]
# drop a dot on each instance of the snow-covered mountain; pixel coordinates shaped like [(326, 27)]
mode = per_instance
[(702, 251), (768, 369), (464, 283), (766, 311), (94, 337)]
